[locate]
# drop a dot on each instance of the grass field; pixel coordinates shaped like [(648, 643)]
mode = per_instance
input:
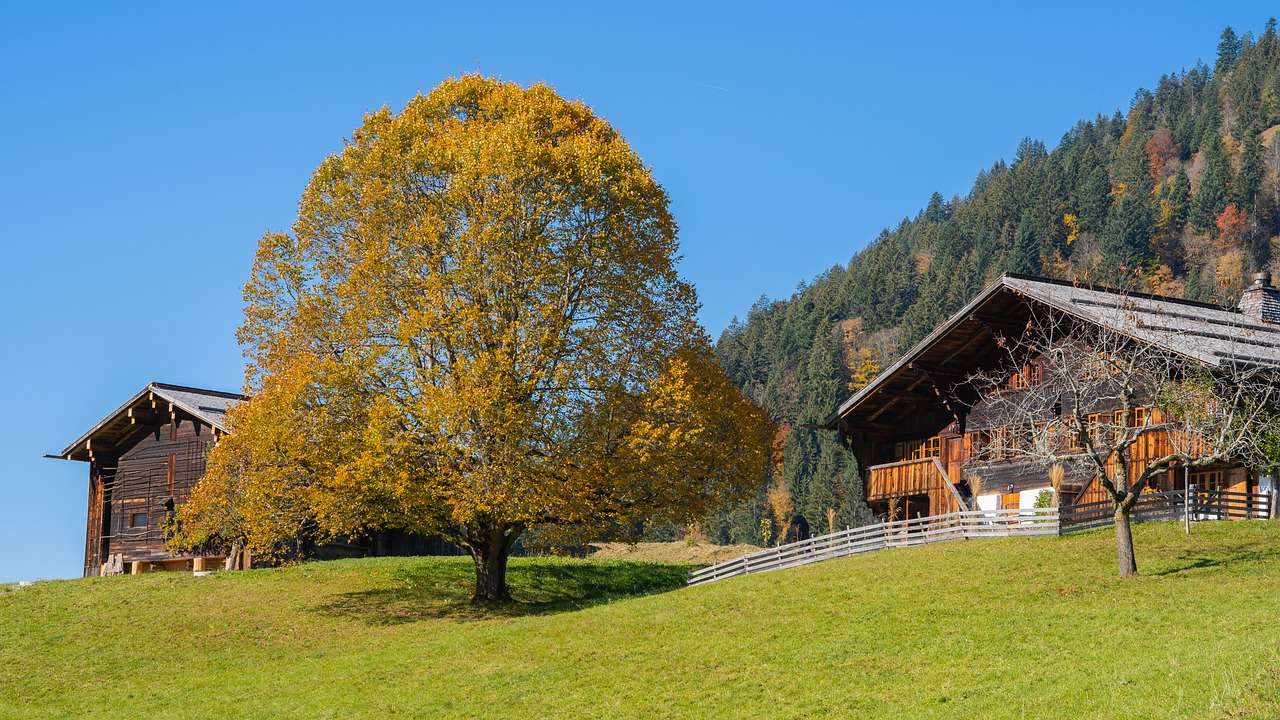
[(1020, 628)]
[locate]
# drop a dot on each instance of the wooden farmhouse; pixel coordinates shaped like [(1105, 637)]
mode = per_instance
[(916, 429), (145, 457)]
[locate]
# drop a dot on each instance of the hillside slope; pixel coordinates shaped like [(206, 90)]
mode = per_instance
[(994, 629), (1180, 196)]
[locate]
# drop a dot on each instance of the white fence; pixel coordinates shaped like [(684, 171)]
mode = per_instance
[(900, 533)]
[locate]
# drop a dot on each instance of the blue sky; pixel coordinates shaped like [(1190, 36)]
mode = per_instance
[(146, 149)]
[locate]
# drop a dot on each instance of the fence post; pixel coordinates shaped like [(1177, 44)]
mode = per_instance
[(1186, 498)]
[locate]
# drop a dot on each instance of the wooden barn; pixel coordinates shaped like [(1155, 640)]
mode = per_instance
[(915, 428), (145, 457)]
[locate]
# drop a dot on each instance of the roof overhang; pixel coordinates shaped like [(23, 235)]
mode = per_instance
[(914, 355), (1203, 333), (157, 403)]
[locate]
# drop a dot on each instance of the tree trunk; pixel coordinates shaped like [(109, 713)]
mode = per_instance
[(490, 551), (1124, 543), (234, 556)]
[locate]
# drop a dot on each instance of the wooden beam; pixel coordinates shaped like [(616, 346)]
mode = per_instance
[(946, 396), (884, 407), (98, 446), (144, 416)]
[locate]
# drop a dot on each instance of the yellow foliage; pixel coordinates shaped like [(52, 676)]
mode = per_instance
[(1229, 273), (780, 503), (1072, 223), (863, 371), (1163, 282), (476, 327)]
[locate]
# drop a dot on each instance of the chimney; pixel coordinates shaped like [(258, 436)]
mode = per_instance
[(1260, 300)]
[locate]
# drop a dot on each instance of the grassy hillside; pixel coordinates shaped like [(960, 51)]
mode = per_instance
[(994, 629)]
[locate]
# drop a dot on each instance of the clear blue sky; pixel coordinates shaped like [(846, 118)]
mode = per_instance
[(145, 150)]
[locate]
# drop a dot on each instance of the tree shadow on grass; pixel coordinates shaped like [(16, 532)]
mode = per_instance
[(1189, 561), (435, 590)]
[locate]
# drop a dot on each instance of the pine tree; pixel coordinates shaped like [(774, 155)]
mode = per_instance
[(936, 211), (1249, 181), (1212, 195), (1094, 198), (1126, 240), (1024, 256), (1228, 50), (1179, 199)]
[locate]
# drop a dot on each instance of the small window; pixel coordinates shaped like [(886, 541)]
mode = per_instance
[(138, 520)]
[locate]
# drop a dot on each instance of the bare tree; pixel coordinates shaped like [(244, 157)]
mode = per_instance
[(1080, 399)]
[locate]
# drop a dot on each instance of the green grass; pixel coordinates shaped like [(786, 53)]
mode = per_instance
[(1034, 628)]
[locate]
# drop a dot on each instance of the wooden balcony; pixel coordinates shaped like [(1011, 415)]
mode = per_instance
[(902, 478), (910, 479)]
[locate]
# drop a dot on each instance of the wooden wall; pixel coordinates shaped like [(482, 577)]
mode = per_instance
[(150, 478)]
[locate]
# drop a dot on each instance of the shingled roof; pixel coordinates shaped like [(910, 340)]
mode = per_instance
[(1209, 334), (206, 406)]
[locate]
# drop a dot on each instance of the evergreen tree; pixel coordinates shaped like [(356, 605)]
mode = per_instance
[(1228, 50), (1249, 181), (1126, 240), (1212, 195), (1094, 198), (1024, 256), (936, 211), (1179, 198)]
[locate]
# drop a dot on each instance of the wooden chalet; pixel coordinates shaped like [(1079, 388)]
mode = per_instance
[(914, 429), (145, 457)]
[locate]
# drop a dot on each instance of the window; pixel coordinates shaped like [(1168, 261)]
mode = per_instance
[(918, 449), (1094, 426), (1025, 377), (1017, 381), (928, 449), (1141, 416), (1210, 480), (137, 520)]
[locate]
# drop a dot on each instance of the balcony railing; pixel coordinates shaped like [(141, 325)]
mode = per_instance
[(905, 477)]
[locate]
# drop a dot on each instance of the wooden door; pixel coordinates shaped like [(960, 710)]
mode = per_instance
[(1009, 500)]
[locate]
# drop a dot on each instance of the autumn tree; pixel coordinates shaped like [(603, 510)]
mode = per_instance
[(1161, 150), (1100, 390), (474, 329), (1232, 223)]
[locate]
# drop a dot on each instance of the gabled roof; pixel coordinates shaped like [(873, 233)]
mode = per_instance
[(1202, 332), (206, 406)]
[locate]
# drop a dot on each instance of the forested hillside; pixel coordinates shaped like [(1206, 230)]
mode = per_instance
[(1180, 197)]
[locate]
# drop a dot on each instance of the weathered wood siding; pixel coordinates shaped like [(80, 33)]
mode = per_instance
[(135, 495)]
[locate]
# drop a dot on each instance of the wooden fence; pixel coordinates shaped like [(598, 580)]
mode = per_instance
[(1202, 505), (899, 533), (1171, 505)]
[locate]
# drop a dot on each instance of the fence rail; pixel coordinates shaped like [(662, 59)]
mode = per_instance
[(1009, 522), (1172, 505), (899, 533)]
